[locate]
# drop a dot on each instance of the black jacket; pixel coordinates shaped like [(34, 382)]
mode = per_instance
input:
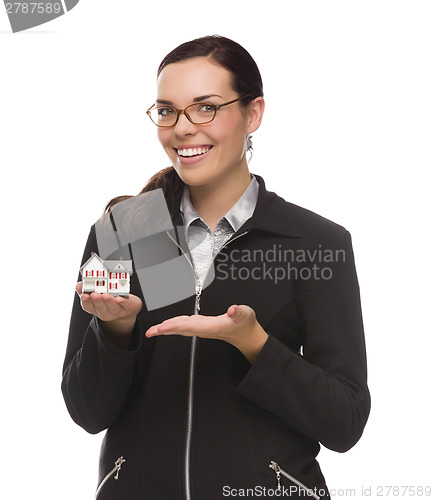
[(307, 385)]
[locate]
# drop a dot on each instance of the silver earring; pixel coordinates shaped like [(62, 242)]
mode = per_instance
[(250, 145), (249, 142)]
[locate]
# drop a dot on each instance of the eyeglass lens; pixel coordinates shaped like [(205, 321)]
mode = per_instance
[(198, 113)]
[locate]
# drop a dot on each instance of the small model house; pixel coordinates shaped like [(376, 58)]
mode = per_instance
[(112, 276)]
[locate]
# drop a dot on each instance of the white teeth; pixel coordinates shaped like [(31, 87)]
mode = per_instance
[(192, 151)]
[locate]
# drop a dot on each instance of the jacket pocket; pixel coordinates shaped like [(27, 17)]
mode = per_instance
[(113, 472), (280, 472)]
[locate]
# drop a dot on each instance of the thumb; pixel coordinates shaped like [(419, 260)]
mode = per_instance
[(234, 312)]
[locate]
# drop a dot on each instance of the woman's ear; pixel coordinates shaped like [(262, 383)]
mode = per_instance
[(256, 114)]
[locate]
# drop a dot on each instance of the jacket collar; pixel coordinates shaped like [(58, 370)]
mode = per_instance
[(271, 214), (240, 212)]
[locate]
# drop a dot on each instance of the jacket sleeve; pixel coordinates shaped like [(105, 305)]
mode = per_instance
[(322, 393), (97, 375)]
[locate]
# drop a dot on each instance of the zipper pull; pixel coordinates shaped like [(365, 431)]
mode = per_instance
[(277, 470), (197, 295), (118, 466)]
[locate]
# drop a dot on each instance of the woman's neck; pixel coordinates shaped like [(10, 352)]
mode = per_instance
[(214, 201)]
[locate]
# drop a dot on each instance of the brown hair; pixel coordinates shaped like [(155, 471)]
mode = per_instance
[(246, 79)]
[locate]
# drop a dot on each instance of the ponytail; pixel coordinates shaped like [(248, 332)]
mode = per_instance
[(168, 180)]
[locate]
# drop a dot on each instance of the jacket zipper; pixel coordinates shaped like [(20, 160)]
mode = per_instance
[(116, 469), (278, 471), (198, 290)]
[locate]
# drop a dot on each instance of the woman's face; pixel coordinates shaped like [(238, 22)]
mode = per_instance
[(218, 147)]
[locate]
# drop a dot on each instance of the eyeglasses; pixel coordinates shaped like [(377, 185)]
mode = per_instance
[(199, 114)]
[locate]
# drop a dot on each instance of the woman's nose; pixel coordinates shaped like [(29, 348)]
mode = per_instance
[(184, 126)]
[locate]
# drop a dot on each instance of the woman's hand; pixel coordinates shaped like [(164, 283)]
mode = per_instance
[(238, 326), (118, 314)]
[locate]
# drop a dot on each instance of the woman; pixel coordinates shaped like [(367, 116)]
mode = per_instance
[(228, 391)]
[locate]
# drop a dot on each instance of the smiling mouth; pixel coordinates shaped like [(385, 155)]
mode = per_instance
[(188, 152)]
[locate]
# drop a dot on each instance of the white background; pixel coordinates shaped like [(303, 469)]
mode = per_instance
[(347, 133)]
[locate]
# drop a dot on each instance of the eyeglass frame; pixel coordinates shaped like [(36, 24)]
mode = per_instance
[(183, 111)]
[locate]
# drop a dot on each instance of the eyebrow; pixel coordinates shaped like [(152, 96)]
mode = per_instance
[(196, 99)]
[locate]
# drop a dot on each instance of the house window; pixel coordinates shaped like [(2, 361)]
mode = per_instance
[(100, 283)]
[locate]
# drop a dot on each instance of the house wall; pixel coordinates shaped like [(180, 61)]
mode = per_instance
[(122, 286), (95, 265), (90, 285), (89, 282)]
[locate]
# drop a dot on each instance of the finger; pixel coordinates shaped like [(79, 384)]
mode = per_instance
[(114, 304), (184, 323), (85, 300), (100, 306), (169, 325), (202, 326), (177, 321), (87, 303), (233, 311), (240, 312), (154, 332), (130, 304)]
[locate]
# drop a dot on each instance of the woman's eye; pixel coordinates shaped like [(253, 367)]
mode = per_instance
[(166, 111), (206, 108)]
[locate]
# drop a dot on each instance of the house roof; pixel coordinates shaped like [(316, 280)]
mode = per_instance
[(93, 256), (119, 265), (110, 265)]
